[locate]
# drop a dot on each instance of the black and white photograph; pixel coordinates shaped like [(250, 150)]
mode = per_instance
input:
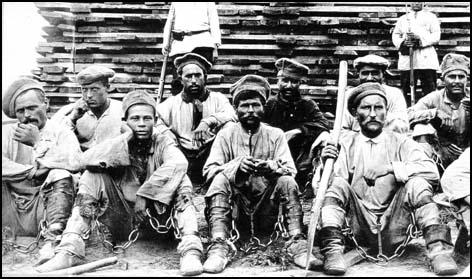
[(229, 139)]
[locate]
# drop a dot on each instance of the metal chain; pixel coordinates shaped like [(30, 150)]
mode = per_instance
[(28, 249), (163, 229), (116, 249), (412, 232)]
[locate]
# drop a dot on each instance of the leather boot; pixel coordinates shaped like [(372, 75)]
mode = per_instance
[(191, 252), (59, 205), (218, 218), (60, 260), (217, 256), (332, 247), (297, 247), (437, 240)]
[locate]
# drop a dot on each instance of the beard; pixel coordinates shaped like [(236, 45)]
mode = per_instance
[(250, 123), (194, 91), (290, 94)]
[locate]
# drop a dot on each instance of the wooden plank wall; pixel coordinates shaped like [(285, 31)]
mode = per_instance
[(127, 37)]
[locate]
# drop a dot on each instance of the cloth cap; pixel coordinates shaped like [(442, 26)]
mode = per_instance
[(373, 60), (291, 68), (454, 61), (361, 91), (192, 58), (94, 73), (16, 88), (137, 97), (253, 83)]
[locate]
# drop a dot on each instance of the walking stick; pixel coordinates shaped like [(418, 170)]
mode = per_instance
[(160, 91), (328, 166), (88, 267), (412, 70)]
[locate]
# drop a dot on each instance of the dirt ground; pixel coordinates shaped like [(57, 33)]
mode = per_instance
[(159, 259)]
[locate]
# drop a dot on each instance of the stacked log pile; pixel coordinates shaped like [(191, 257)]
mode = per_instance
[(127, 37)]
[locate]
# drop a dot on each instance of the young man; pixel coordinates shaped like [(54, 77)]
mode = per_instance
[(95, 117), (251, 170), (127, 176), (300, 119), (371, 68), (421, 30), (37, 158), (196, 114), (379, 179), (447, 111)]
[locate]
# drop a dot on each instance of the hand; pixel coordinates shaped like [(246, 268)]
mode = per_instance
[(248, 165), (125, 129), (329, 152), (202, 133), (79, 110), (465, 103), (27, 134), (412, 40), (140, 208), (371, 174), (322, 139), (263, 167), (292, 133), (40, 172), (454, 149), (446, 120)]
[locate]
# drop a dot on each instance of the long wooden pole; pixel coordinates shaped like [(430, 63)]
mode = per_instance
[(88, 267), (329, 164)]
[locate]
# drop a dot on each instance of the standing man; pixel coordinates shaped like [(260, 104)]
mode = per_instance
[(418, 29), (372, 68), (380, 178), (447, 111), (37, 158), (300, 119), (95, 117), (137, 171), (196, 114), (252, 172)]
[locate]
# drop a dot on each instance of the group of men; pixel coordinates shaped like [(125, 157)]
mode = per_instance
[(121, 166)]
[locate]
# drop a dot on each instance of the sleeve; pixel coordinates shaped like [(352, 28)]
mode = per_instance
[(455, 181), (166, 36), (214, 23), (61, 117), (107, 154), (315, 123), (423, 111), (163, 110), (11, 170), (223, 113), (397, 34), (432, 34), (414, 163), (283, 163), (165, 180), (219, 161)]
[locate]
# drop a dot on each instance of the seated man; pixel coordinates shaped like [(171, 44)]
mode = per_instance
[(300, 119), (195, 114), (139, 169), (251, 170), (380, 178), (448, 111), (95, 117), (37, 155), (372, 68)]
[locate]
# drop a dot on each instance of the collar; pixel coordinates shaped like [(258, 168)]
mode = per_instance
[(286, 102), (245, 132), (375, 140), (188, 99)]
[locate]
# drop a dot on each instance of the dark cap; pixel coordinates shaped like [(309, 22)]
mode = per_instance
[(454, 61), (192, 58), (364, 90), (252, 83), (291, 68), (14, 90), (94, 73), (373, 60), (137, 97)]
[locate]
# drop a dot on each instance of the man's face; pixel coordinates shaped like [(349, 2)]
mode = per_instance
[(193, 79), (455, 82), (141, 119), (250, 113), (289, 87), (30, 109), (369, 73), (417, 6), (95, 94), (371, 115)]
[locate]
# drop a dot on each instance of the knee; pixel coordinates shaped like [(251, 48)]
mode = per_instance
[(219, 185), (287, 184), (418, 192), (64, 185), (88, 206)]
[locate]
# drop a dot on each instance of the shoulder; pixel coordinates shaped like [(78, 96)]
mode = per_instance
[(116, 105), (347, 137), (392, 91), (218, 96), (274, 131)]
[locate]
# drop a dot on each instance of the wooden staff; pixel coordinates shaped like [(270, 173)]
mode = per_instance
[(329, 164), (160, 92), (88, 267), (412, 70)]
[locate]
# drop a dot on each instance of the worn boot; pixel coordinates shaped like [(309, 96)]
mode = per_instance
[(191, 251), (218, 212), (218, 256), (438, 242), (297, 247), (61, 260), (332, 247)]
